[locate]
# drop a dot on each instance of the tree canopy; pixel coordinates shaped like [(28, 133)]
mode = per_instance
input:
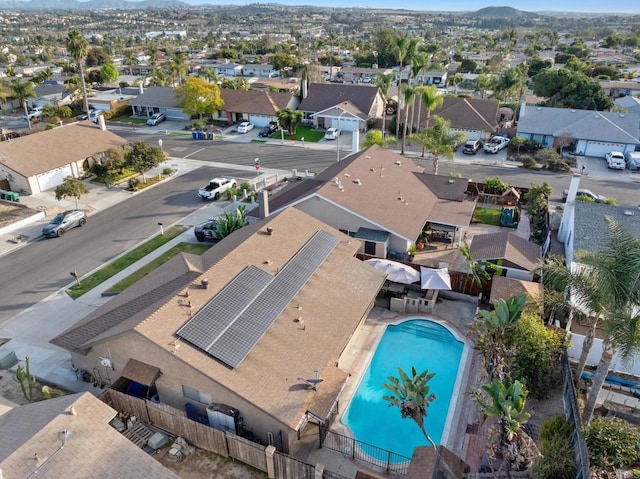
[(71, 187), (565, 88), (199, 97), (142, 157)]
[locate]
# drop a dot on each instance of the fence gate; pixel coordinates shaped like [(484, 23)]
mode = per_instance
[(290, 468), (247, 451)]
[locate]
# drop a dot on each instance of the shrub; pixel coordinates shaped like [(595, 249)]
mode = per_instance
[(124, 110), (99, 169), (495, 185), (529, 162), (558, 460), (133, 184), (167, 171), (611, 442), (245, 185)]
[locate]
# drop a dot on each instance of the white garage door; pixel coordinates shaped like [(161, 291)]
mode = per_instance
[(259, 120), (601, 148), (345, 124), (53, 178)]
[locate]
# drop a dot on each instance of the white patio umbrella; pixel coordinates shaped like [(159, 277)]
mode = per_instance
[(434, 278), (396, 272)]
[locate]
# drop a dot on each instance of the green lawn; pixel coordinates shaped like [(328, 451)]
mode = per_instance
[(113, 176), (302, 131), (106, 272), (128, 119), (487, 216), (193, 248)]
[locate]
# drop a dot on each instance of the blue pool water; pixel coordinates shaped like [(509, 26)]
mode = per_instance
[(420, 343)]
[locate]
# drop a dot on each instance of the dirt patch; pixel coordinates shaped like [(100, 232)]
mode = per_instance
[(203, 464), (10, 389), (11, 212)]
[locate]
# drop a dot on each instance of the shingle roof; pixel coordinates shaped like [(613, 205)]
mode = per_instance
[(581, 124), (504, 288), (41, 152), (255, 102), (157, 96), (506, 245), (92, 449), (464, 113), (321, 96), (345, 106), (590, 230)]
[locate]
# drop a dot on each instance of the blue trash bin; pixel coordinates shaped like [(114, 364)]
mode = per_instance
[(194, 135), (200, 135)]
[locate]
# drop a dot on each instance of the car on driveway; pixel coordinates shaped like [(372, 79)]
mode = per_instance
[(156, 119), (266, 131), (245, 127), (207, 231), (471, 147), (33, 113), (62, 222), (495, 144), (332, 133), (586, 193), (215, 188), (615, 160)]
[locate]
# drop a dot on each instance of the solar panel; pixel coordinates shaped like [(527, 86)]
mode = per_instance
[(230, 325)]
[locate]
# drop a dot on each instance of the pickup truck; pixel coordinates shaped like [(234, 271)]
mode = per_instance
[(496, 144), (215, 188)]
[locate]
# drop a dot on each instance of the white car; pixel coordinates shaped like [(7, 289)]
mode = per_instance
[(215, 188), (156, 119), (615, 160), (496, 144), (245, 127), (332, 133), (33, 113)]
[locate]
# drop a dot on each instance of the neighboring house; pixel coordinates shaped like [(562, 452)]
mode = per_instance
[(628, 103), (260, 70), (70, 437), (47, 94), (505, 288), (321, 97), (258, 107), (513, 256), (431, 77), (383, 199), (620, 88), (29, 165), (158, 99), (138, 70), (363, 75), (476, 118), (244, 325), (227, 69), (110, 99), (345, 116), (594, 133)]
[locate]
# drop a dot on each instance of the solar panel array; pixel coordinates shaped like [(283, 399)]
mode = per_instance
[(234, 320)]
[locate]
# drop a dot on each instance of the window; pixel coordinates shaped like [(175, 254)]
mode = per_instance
[(196, 395)]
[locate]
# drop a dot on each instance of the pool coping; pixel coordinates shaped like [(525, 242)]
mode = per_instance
[(376, 328)]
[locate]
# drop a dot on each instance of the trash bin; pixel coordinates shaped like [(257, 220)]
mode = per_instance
[(194, 135), (12, 196), (200, 135), (209, 135), (2, 193)]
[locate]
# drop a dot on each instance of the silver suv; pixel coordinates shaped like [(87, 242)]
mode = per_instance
[(63, 222)]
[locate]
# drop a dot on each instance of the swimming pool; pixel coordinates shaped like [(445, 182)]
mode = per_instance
[(424, 344)]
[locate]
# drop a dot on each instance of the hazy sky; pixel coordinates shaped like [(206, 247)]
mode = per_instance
[(616, 6)]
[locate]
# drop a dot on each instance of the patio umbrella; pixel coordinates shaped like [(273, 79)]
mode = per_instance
[(396, 272), (435, 278)]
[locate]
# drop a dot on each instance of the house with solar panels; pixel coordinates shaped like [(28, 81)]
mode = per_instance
[(255, 326)]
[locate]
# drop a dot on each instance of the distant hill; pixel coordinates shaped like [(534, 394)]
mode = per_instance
[(501, 12), (90, 5)]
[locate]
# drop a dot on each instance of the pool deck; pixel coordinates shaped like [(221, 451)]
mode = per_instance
[(458, 316)]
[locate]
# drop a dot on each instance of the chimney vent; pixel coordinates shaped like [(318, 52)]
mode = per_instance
[(204, 283), (263, 207)]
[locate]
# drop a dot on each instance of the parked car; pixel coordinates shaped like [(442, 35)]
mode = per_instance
[(207, 231), (587, 193), (632, 159), (496, 144), (156, 119), (245, 127), (332, 133), (62, 222), (267, 130), (615, 160), (33, 113), (471, 147), (215, 188), (95, 114)]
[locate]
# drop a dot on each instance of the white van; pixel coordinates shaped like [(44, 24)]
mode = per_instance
[(632, 158)]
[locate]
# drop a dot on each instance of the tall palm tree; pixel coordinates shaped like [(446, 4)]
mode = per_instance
[(419, 63), (409, 93), (431, 99), (130, 58), (505, 402), (412, 395), (177, 68), (438, 141), (400, 50), (78, 47), (383, 82), (22, 91), (43, 75)]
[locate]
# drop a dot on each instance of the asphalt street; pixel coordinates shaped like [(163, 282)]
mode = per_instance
[(30, 274)]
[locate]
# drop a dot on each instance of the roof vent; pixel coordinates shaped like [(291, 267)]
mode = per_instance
[(357, 181), (538, 108), (368, 157), (347, 175), (372, 169), (398, 162), (621, 116), (452, 181), (629, 213), (596, 116), (573, 111)]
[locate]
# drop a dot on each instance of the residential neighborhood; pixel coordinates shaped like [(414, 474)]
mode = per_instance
[(308, 241)]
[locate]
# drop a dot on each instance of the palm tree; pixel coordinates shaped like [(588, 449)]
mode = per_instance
[(130, 58), (412, 396), (408, 93), (78, 47), (505, 402), (438, 141), (383, 82), (400, 50), (419, 63), (177, 68), (22, 91), (44, 75), (431, 99)]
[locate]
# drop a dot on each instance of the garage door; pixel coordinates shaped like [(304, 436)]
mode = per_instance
[(601, 148), (346, 124), (53, 178), (259, 120)]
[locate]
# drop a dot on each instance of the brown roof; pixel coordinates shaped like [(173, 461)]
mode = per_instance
[(508, 246), (464, 113), (321, 96), (140, 372), (342, 107), (254, 101), (31, 440), (41, 152), (429, 462), (504, 288)]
